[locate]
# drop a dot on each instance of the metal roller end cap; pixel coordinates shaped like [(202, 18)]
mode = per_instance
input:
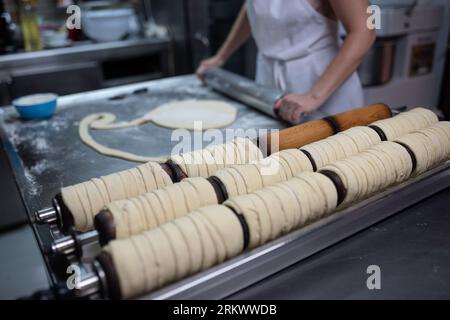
[(47, 215)]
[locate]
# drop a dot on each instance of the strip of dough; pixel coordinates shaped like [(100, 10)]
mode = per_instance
[(86, 137)]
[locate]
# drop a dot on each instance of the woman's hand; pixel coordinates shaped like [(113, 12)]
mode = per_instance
[(239, 34), (213, 62), (293, 107)]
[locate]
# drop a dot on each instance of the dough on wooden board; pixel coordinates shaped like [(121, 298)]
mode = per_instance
[(212, 114)]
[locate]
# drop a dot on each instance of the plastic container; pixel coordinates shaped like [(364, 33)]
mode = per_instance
[(36, 106)]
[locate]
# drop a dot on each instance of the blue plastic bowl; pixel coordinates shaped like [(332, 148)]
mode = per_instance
[(36, 106)]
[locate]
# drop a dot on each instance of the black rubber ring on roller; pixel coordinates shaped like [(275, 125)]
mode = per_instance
[(105, 226), (178, 174), (333, 124), (112, 278), (311, 159), (337, 181), (380, 132), (219, 188), (244, 225), (411, 154), (65, 220)]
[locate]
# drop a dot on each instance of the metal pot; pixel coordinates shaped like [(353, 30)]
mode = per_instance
[(378, 65)]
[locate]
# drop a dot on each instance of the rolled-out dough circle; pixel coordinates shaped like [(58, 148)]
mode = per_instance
[(212, 114)]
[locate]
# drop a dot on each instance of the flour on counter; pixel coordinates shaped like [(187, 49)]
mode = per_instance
[(36, 139), (40, 144), (37, 134), (40, 167), (252, 120), (57, 124), (34, 189)]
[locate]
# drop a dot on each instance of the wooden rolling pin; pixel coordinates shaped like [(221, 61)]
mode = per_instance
[(303, 134)]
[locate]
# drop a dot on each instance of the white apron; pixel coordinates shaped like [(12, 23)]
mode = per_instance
[(296, 44)]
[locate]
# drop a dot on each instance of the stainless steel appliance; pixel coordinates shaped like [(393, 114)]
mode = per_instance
[(404, 66)]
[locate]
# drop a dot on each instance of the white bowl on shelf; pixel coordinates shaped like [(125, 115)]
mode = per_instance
[(55, 39), (107, 24)]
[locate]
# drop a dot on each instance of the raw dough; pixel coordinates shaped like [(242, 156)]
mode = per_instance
[(219, 216), (86, 199), (179, 248), (151, 210), (198, 163), (279, 209), (244, 179), (430, 146), (288, 204), (406, 122), (154, 258), (389, 163), (193, 241), (212, 114), (326, 187), (209, 254), (315, 198), (85, 136), (358, 139), (244, 206), (219, 247)]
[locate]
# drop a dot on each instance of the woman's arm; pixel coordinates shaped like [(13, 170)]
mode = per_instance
[(356, 45), (238, 35)]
